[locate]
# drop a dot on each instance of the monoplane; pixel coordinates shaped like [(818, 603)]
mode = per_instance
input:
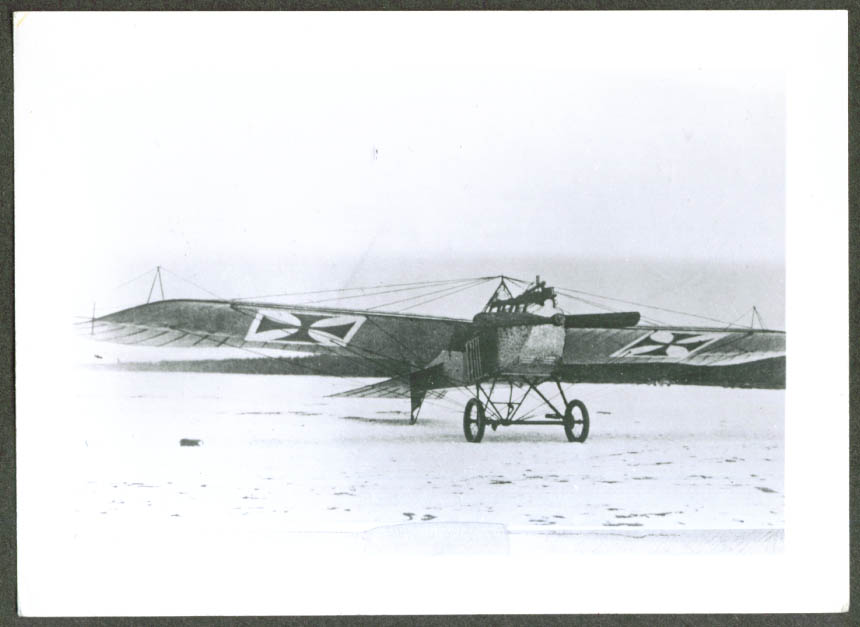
[(505, 353)]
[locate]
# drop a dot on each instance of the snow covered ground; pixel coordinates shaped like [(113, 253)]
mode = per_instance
[(281, 470), (275, 451)]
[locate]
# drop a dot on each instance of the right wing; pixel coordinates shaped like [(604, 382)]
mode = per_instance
[(728, 357)]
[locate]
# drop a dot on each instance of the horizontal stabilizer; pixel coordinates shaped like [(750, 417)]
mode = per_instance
[(429, 381), (398, 387)]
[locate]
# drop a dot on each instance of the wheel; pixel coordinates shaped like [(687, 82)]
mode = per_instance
[(576, 421), (473, 421)]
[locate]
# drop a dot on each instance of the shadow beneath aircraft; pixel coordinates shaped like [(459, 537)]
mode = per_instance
[(394, 421)]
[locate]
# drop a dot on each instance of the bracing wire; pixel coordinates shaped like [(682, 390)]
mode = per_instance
[(452, 284), (430, 300), (417, 284), (446, 291), (740, 317), (392, 291), (375, 290), (610, 309), (137, 278), (630, 302), (192, 283), (413, 297)]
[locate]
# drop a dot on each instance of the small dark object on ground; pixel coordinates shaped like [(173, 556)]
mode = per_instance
[(189, 442)]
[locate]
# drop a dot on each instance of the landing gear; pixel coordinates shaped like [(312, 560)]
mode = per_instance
[(499, 413), (576, 421), (474, 421)]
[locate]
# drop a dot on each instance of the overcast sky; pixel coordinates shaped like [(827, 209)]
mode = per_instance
[(276, 152)]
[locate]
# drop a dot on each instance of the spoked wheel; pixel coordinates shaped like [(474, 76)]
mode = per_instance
[(474, 421), (576, 421)]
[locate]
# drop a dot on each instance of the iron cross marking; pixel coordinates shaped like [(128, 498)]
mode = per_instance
[(306, 329)]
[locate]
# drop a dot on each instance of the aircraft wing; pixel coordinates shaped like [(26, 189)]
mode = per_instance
[(729, 357), (392, 342), (355, 343)]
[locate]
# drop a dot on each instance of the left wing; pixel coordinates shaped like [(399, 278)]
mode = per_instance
[(393, 342)]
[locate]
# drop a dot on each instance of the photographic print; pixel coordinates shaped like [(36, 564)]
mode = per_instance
[(325, 313)]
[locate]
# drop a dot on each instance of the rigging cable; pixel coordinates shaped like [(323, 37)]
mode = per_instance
[(417, 284), (199, 287), (648, 319), (630, 302), (140, 276), (393, 291), (461, 289), (473, 283), (734, 322)]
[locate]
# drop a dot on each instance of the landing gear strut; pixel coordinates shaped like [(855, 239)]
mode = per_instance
[(478, 415)]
